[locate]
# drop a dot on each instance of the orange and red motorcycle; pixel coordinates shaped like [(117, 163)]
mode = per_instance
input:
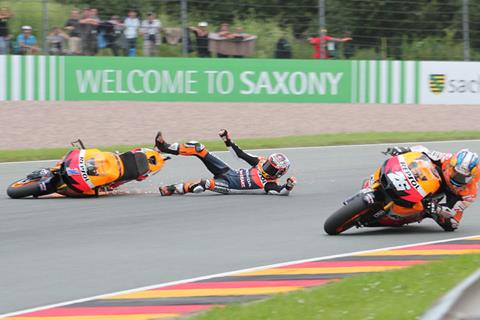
[(395, 195), (89, 172)]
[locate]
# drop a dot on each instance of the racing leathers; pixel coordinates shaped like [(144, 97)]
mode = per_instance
[(225, 179), (448, 213)]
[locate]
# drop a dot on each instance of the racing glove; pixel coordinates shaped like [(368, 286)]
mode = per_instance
[(223, 133), (291, 182), (442, 215), (395, 151)]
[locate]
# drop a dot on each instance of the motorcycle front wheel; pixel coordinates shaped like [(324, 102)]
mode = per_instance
[(345, 217), (25, 188)]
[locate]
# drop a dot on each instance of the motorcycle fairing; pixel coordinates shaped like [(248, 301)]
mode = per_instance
[(87, 169)]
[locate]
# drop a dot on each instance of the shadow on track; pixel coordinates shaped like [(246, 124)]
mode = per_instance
[(380, 231)]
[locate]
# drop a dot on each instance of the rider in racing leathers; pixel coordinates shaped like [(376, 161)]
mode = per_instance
[(263, 175), (460, 174)]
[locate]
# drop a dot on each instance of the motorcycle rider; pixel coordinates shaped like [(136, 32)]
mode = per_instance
[(460, 174), (263, 175)]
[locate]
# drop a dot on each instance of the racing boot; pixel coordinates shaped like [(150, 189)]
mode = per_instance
[(171, 189), (188, 187), (191, 148)]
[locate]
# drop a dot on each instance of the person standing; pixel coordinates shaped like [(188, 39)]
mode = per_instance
[(26, 41), (88, 33), (151, 35), (131, 24), (72, 26), (5, 15), (56, 40), (201, 34), (321, 44)]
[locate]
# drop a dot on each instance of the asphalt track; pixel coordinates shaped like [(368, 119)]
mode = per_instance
[(54, 250)]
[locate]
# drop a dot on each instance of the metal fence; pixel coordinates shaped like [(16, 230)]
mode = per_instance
[(380, 29)]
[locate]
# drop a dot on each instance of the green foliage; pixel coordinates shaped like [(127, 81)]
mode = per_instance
[(381, 29), (329, 139)]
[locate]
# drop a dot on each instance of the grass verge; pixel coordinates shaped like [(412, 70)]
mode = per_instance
[(263, 143), (401, 294)]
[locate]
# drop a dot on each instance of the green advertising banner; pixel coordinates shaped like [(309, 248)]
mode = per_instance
[(51, 78), (178, 79)]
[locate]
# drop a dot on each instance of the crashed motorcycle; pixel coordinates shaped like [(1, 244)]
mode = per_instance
[(89, 172), (397, 194)]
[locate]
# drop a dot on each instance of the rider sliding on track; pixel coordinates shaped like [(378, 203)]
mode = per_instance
[(263, 175), (460, 174)]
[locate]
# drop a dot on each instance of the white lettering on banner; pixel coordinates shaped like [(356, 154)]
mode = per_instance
[(296, 83), (223, 82), (138, 81), (244, 78), (107, 80), (156, 81), (130, 84), (334, 82), (229, 79), (88, 80), (211, 80), (189, 82)]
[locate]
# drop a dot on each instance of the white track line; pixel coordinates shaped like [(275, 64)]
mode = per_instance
[(302, 148), (276, 265)]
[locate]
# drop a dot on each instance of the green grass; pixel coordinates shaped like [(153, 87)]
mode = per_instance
[(401, 294), (264, 143)]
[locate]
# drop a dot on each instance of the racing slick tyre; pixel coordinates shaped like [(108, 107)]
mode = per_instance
[(345, 217), (25, 188)]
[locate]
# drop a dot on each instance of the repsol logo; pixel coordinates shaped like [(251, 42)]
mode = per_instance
[(83, 169), (409, 174)]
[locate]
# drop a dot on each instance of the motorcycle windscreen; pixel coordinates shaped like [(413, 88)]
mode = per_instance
[(412, 176)]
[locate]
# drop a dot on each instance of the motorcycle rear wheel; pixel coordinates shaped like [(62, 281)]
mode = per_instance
[(345, 217), (25, 188)]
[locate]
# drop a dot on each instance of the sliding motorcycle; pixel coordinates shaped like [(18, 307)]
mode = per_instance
[(396, 194), (89, 172)]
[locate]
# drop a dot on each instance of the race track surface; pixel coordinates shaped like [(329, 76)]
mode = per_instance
[(54, 250)]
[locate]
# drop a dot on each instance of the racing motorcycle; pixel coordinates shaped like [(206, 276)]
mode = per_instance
[(398, 193), (89, 172)]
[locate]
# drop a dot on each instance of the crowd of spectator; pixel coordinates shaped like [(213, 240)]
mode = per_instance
[(84, 33)]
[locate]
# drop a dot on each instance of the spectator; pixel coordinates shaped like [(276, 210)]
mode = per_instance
[(56, 41), (283, 49), (224, 31), (201, 34), (151, 35), (5, 15), (88, 32), (112, 33), (239, 34), (26, 42), (131, 23), (320, 44), (73, 27)]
